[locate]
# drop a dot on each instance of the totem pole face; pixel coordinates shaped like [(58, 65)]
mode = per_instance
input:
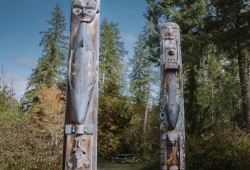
[(85, 10), (169, 36), (170, 31)]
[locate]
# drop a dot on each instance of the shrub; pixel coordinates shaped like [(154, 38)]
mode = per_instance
[(223, 150)]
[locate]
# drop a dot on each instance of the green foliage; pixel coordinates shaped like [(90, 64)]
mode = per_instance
[(51, 66), (227, 24), (111, 55), (114, 116), (7, 101), (3, 100), (114, 109), (35, 141), (140, 77), (144, 145), (28, 145), (220, 150)]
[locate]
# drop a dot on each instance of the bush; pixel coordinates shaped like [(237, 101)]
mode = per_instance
[(25, 144), (221, 151)]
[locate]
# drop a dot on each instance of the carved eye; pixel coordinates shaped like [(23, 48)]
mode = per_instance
[(174, 32), (77, 10)]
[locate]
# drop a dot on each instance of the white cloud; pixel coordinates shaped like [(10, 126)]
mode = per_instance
[(23, 61)]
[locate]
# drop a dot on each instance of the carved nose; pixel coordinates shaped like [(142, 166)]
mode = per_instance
[(171, 53), (169, 31), (172, 105)]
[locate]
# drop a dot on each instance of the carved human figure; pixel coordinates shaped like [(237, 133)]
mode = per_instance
[(172, 108)]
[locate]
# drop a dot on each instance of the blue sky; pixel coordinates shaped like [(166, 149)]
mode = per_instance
[(21, 22)]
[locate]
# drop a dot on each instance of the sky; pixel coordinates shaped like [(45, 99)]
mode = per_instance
[(21, 22)]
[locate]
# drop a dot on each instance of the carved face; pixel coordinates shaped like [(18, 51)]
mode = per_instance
[(169, 38), (84, 10), (169, 31), (170, 49)]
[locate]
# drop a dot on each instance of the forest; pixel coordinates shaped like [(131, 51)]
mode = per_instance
[(215, 46)]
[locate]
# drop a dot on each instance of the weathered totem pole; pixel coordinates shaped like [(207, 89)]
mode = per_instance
[(80, 138), (172, 103)]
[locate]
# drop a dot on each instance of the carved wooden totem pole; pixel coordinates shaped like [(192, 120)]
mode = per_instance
[(80, 138), (172, 103)]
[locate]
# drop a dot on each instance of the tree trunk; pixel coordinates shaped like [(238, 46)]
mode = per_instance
[(145, 119), (146, 111), (245, 95)]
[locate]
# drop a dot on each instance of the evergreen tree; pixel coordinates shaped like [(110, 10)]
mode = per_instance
[(141, 81), (141, 72), (139, 133), (228, 25), (7, 101), (111, 56), (114, 109), (50, 69)]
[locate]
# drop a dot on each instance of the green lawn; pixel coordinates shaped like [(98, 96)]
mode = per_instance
[(118, 166)]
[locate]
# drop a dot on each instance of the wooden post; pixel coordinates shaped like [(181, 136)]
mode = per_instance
[(80, 137), (172, 102)]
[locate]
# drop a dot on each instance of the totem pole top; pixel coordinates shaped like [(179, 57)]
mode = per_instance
[(169, 24), (169, 30)]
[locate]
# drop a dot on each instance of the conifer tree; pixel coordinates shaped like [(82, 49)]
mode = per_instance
[(114, 109), (228, 23), (111, 55), (50, 69), (141, 80), (140, 74)]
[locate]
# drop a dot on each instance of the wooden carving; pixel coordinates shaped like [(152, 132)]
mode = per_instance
[(80, 139), (172, 103)]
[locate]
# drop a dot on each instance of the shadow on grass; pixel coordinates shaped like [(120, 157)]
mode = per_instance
[(106, 165), (119, 166)]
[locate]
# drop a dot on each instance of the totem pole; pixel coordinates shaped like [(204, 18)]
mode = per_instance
[(172, 103), (80, 136)]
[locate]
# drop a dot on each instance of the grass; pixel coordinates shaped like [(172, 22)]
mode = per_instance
[(119, 166)]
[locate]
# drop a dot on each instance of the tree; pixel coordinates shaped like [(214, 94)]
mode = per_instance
[(228, 25), (7, 102), (140, 80), (114, 108), (111, 55), (50, 69), (140, 74)]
